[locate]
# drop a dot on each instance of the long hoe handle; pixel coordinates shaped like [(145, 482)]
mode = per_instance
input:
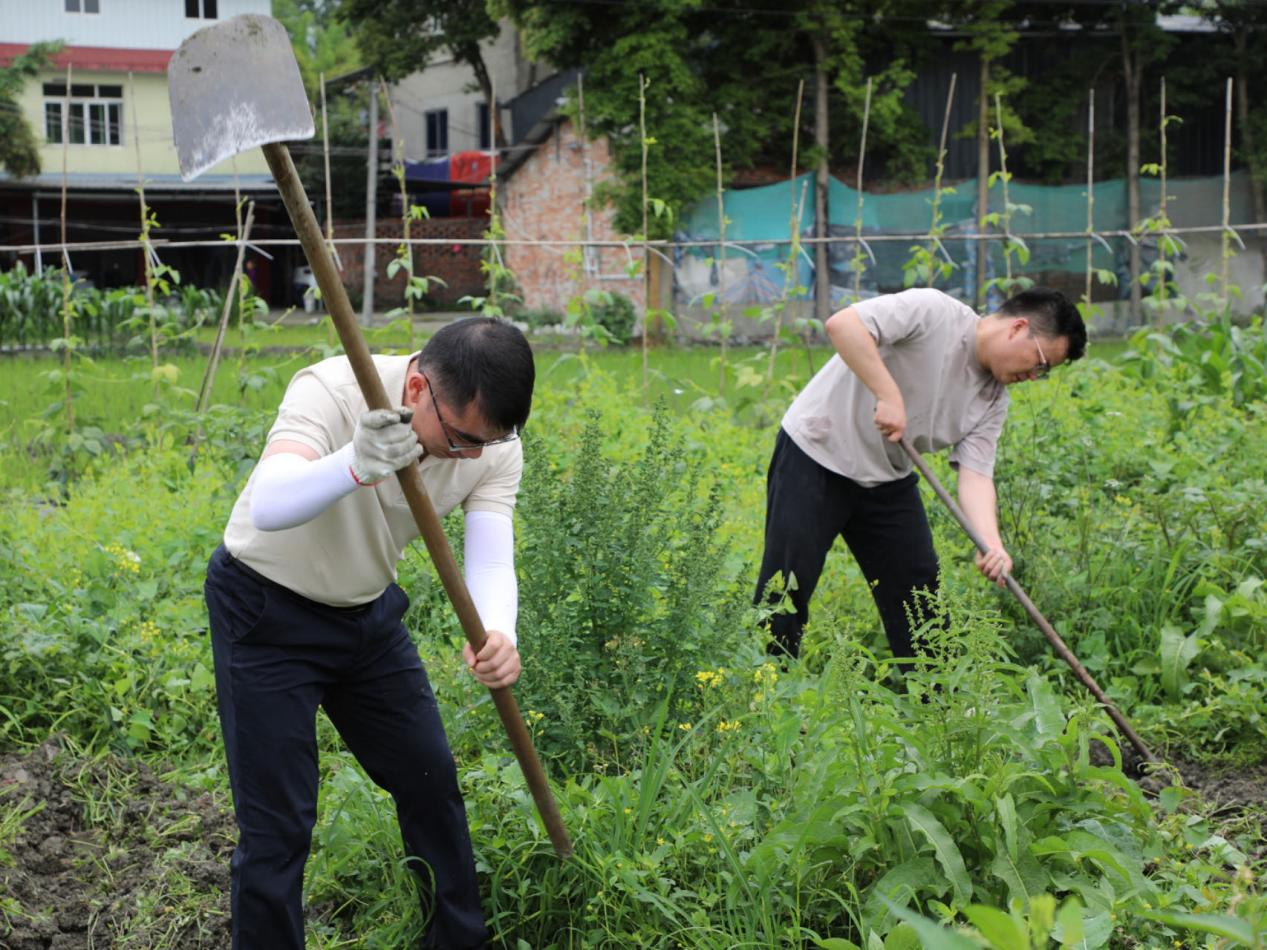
[(1048, 630), (336, 298)]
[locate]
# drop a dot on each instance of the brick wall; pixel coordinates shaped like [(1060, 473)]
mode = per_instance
[(458, 265), (544, 200)]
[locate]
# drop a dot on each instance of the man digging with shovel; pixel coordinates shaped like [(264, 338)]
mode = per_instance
[(304, 608), (305, 613)]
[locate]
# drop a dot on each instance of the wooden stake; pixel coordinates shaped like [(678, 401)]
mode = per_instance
[(325, 148), (146, 250), (794, 233), (1007, 206), (941, 166), (1227, 191), (723, 329), (66, 286), (406, 249), (235, 284), (857, 219), (1165, 222), (369, 265), (1090, 190), (646, 251)]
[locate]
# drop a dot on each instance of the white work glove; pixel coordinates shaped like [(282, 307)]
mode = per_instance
[(383, 443)]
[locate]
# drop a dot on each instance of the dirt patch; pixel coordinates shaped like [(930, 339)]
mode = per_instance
[(1238, 795), (102, 853)]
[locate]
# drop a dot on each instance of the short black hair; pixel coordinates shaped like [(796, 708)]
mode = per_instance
[(1051, 314), (484, 359)]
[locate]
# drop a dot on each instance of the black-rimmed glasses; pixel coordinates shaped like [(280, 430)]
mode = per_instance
[(468, 442), (1043, 368)]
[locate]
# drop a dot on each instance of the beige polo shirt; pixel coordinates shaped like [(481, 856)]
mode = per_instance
[(347, 554), (927, 341)]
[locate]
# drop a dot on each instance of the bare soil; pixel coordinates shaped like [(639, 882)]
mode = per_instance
[(110, 856)]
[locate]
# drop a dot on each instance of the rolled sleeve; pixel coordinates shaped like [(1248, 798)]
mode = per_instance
[(976, 451), (307, 415), (497, 490)]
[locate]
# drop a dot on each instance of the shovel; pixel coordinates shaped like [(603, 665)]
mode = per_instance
[(1062, 649), (236, 85)]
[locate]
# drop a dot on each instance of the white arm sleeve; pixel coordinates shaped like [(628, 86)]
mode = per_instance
[(289, 490), (489, 556)]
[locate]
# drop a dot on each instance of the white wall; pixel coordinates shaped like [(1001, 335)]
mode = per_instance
[(444, 84), (121, 24)]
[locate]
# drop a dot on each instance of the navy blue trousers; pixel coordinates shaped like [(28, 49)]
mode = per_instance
[(885, 527), (278, 656)]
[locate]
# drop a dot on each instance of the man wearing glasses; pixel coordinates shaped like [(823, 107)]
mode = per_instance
[(305, 612), (918, 363)]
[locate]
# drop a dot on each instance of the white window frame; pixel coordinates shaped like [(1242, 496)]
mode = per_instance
[(96, 108)]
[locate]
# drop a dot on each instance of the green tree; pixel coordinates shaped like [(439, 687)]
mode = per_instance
[(400, 37), (742, 61), (19, 145), (325, 45)]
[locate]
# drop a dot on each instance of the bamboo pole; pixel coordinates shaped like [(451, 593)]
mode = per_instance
[(587, 232), (794, 231), (235, 284), (146, 250), (1165, 220), (587, 216), (406, 250), (1090, 191), (857, 218), (1007, 202), (1227, 190), (325, 152), (941, 166), (722, 328), (66, 309), (646, 251)]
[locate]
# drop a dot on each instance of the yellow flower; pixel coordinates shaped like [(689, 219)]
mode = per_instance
[(708, 679), (725, 726), (684, 726), (124, 559), (628, 811)]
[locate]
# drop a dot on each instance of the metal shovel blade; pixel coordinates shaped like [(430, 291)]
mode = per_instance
[(233, 86)]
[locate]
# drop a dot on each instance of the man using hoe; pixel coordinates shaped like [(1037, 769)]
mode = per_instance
[(920, 364), (305, 613)]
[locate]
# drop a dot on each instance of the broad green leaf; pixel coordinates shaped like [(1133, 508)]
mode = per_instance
[(1222, 925), (1049, 721), (944, 847), (1002, 932), (834, 943), (1177, 651), (934, 936), (902, 937), (1069, 930)]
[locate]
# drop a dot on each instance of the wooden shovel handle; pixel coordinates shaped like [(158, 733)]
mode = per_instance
[(336, 299), (1057, 642)]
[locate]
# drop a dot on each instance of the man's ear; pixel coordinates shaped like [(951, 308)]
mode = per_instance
[(1018, 325), (413, 387)]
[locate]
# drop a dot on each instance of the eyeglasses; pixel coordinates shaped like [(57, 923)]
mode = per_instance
[(1043, 368), (468, 441)]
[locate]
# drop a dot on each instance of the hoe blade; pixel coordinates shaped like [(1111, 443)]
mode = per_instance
[(233, 86)]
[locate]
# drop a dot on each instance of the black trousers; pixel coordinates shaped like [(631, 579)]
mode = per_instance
[(885, 527), (278, 656)]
